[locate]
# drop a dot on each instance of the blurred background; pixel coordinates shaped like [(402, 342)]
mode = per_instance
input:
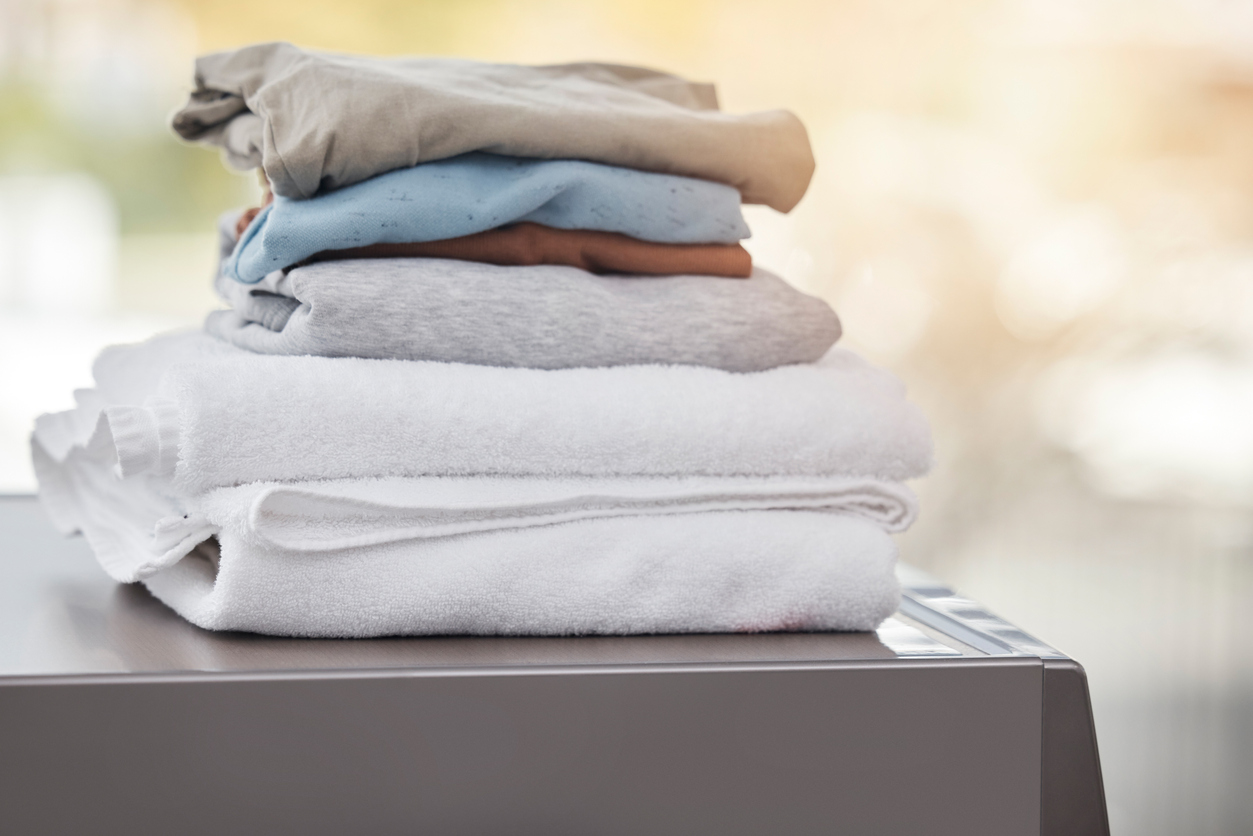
[(1039, 213)]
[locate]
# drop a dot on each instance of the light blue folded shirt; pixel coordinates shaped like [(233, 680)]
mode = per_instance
[(477, 192)]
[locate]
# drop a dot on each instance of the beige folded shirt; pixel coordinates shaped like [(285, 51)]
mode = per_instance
[(317, 121)]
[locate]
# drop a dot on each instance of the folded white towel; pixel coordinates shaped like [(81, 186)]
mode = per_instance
[(323, 516), (708, 572), (627, 500), (491, 555), (191, 407), (138, 525), (704, 572)]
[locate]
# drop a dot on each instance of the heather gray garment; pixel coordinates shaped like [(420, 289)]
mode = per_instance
[(317, 121), (544, 317)]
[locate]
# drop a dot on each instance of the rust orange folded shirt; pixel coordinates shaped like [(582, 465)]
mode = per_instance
[(596, 252)]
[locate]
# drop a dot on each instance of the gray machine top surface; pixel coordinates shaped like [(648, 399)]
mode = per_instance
[(989, 729), (60, 615)]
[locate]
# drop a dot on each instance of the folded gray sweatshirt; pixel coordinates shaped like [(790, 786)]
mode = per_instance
[(543, 317), (317, 121)]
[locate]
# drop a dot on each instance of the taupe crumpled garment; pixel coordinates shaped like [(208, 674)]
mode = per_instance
[(318, 121)]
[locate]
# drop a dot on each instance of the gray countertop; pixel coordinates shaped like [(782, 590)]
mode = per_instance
[(947, 720)]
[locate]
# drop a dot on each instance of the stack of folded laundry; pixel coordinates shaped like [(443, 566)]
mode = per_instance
[(495, 363)]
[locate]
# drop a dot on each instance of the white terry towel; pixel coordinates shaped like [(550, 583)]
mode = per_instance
[(140, 524), (491, 555), (209, 415), (707, 571), (700, 534)]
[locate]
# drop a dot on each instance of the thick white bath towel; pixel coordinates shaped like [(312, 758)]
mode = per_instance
[(490, 555), (140, 524), (709, 572), (691, 572), (209, 415), (314, 496)]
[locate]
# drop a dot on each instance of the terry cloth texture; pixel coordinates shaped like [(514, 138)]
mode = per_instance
[(752, 571), (675, 549), (318, 122), (210, 415), (141, 524), (529, 244), (542, 317), (476, 192), (471, 554), (704, 571)]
